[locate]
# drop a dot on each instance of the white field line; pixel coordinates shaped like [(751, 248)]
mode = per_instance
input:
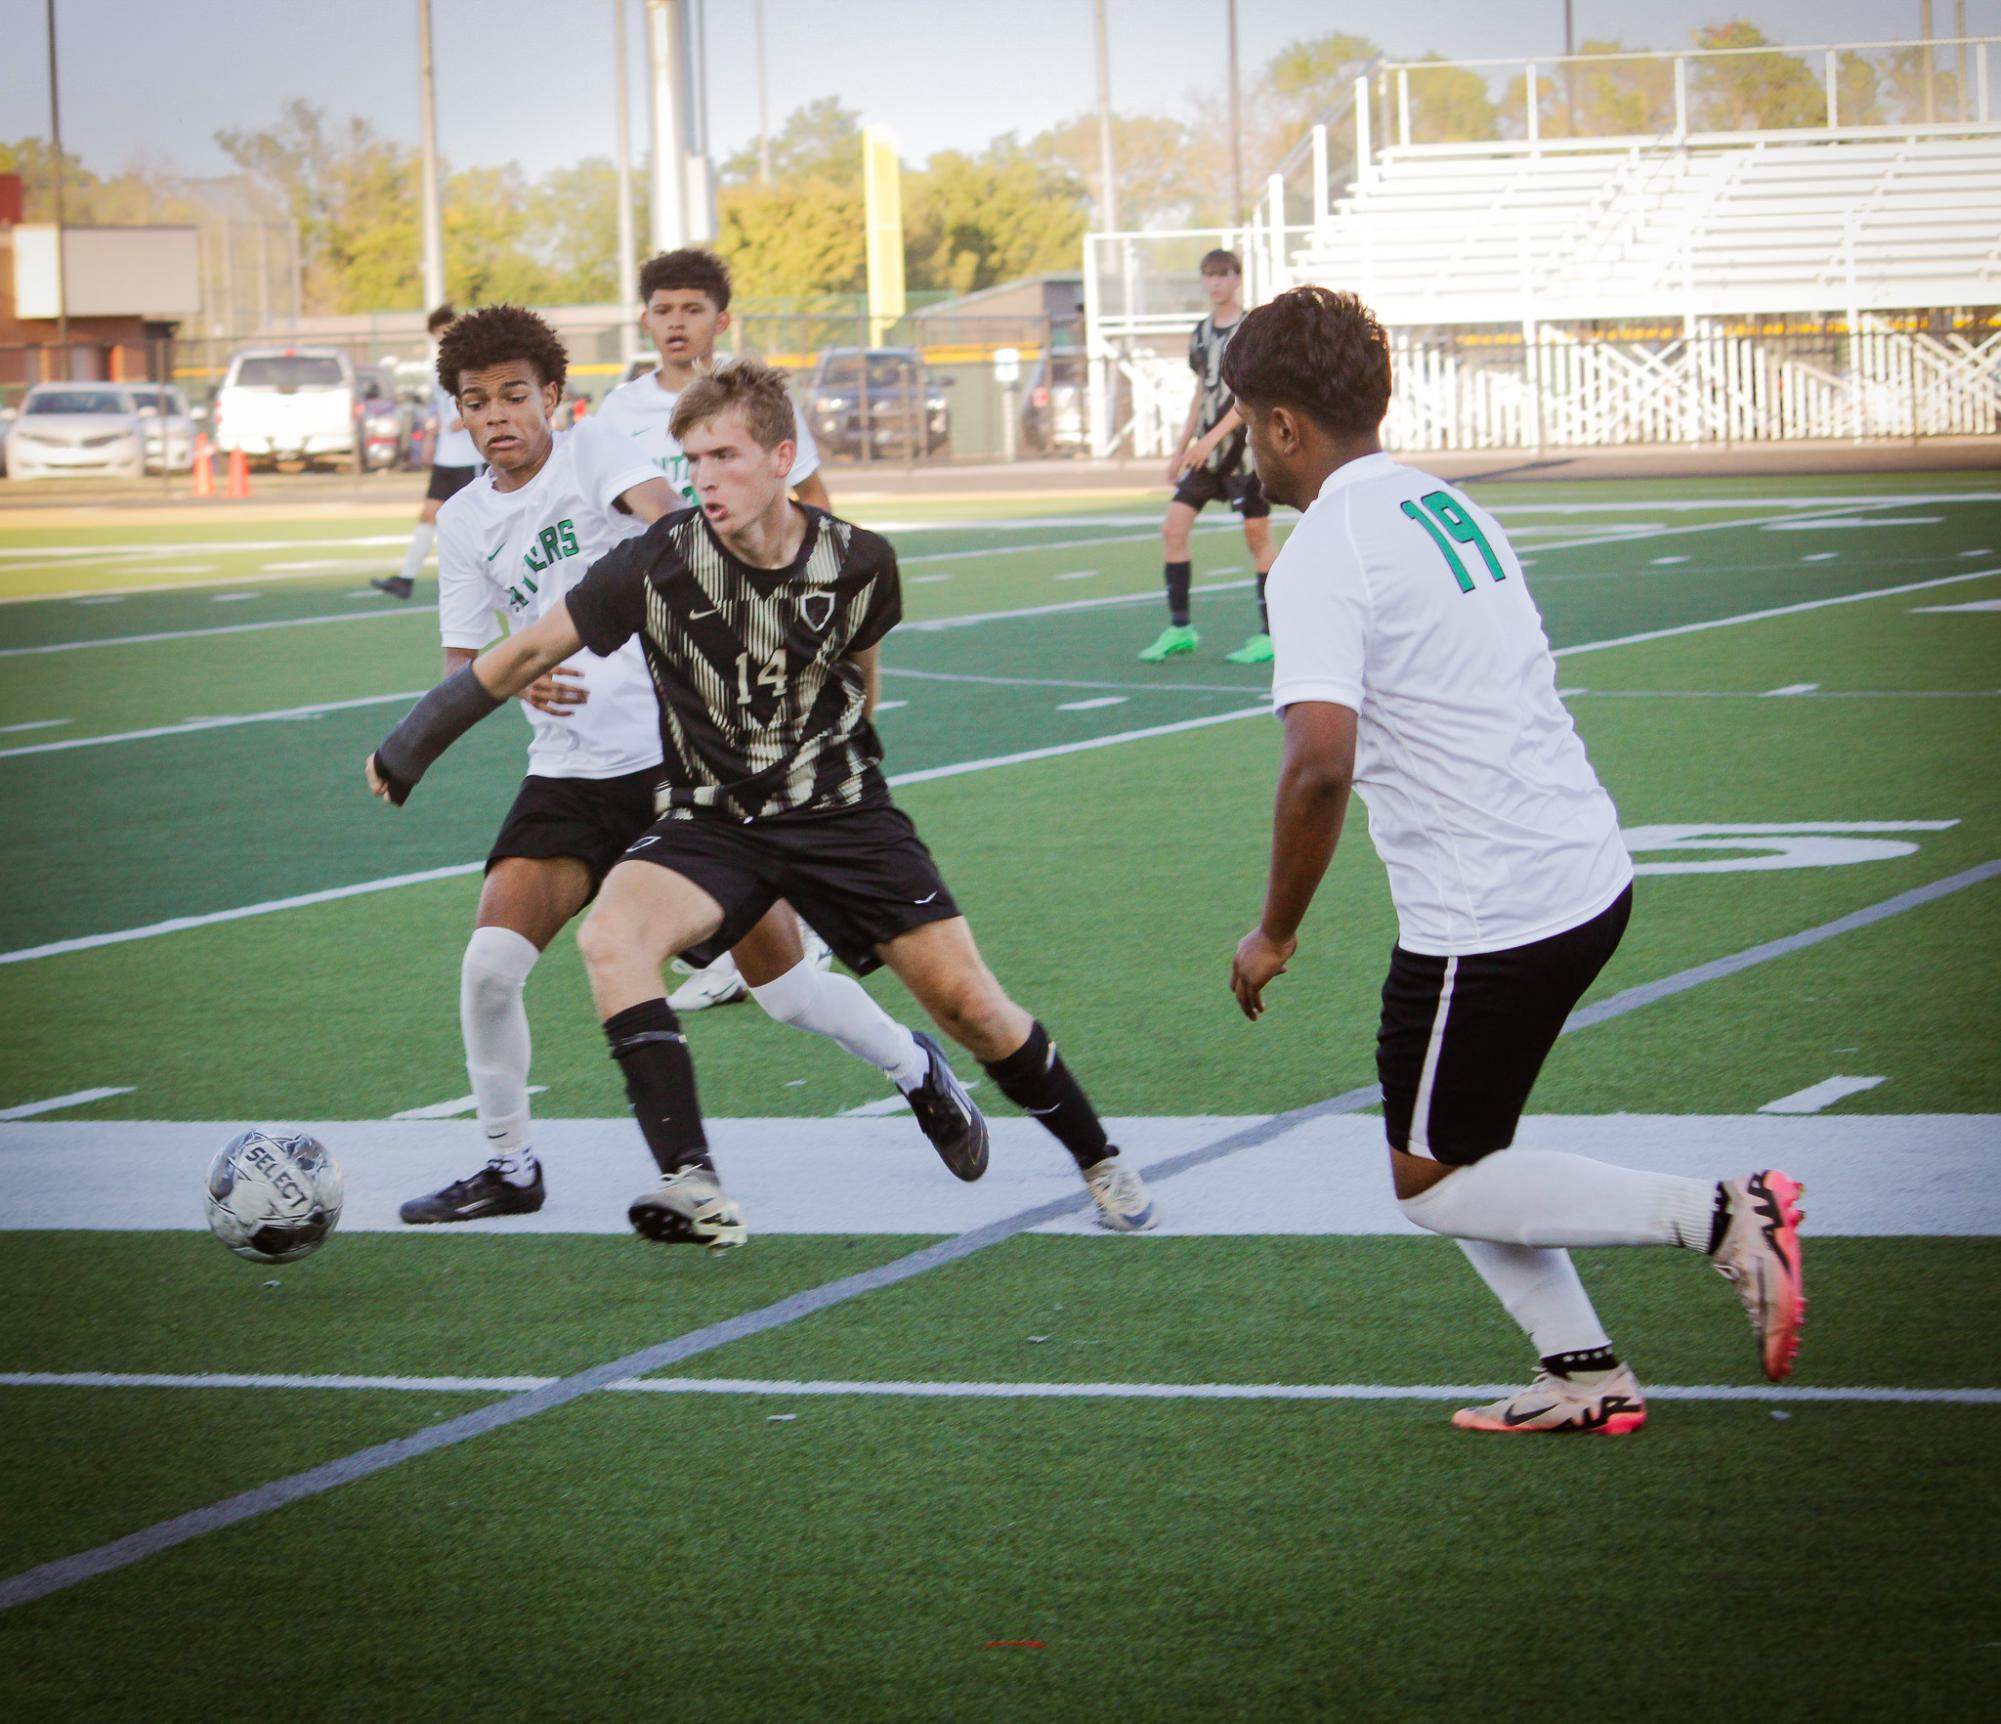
[(1977, 605), (1791, 688), (402, 610), (1069, 682), (1855, 521), (89, 942), (1824, 1094), (1979, 551), (931, 625), (1057, 545), (1618, 538), (33, 724), (177, 924), (1761, 1393), (877, 1109), (1092, 704), (1821, 557), (1776, 611), (1693, 505), (279, 715), (451, 1109), (56, 1103), (1756, 694), (198, 548), (233, 598)]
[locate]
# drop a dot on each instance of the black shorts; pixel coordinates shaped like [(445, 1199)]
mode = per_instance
[(1240, 490), (592, 819), (447, 482), (859, 876), (1463, 1039)]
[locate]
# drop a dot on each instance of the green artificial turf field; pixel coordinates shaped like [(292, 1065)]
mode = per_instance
[(932, 1451)]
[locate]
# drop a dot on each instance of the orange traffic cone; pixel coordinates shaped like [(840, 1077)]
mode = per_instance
[(204, 467), (239, 474)]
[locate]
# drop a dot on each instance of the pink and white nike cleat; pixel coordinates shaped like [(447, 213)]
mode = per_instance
[(1760, 1255), (1551, 1403)]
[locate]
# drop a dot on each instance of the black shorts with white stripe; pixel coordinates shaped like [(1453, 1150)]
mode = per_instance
[(1463, 1039)]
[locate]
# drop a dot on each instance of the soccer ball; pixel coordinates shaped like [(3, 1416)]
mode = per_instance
[(273, 1196)]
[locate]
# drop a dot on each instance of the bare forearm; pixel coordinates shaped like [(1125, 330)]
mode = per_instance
[(457, 658), (1306, 826)]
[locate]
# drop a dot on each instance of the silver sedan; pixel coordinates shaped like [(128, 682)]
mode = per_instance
[(76, 428)]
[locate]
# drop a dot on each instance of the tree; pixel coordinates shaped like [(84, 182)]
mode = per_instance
[(1751, 92), (1449, 104), (822, 140), (1150, 156), (973, 221), (574, 212), (494, 250), (794, 239), (1608, 98), (353, 194)]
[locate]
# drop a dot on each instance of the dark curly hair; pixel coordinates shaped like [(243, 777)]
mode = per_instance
[(702, 270), (494, 335), (1319, 351), (439, 319)]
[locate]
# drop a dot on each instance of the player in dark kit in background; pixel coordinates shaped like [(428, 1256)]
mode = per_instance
[(760, 621), (1210, 466)]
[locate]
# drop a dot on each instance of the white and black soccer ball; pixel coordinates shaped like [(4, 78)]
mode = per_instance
[(273, 1196)]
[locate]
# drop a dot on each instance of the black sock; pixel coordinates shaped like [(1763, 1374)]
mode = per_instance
[(1178, 577), (1586, 1359), (646, 1041), (1036, 1080), (1264, 616)]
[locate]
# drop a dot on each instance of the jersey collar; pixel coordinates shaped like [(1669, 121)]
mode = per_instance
[(1354, 472)]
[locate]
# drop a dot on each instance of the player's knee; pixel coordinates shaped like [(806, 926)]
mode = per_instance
[(789, 999), (604, 939), (495, 966), (974, 1012)]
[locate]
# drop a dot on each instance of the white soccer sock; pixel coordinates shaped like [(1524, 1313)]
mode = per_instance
[(836, 1007), (421, 542), (495, 1026), (1541, 1292), (1541, 1197)]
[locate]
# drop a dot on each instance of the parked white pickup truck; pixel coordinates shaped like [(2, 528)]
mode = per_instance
[(287, 404)]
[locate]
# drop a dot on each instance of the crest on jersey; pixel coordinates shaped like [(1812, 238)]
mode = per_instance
[(818, 610)]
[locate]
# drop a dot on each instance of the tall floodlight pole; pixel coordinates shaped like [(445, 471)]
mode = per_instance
[(1959, 30), (434, 229), (670, 174), (763, 107), (1108, 195), (1236, 126), (56, 143), (1569, 73), (1931, 88), (628, 262)]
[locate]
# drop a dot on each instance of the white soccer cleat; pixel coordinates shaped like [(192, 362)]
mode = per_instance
[(689, 1207), (1614, 1408), (718, 985), (1760, 1255), (1121, 1196)]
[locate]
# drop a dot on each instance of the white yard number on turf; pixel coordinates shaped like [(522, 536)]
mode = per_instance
[(1784, 844)]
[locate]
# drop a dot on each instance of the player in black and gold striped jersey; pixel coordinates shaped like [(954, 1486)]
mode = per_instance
[(1210, 465), (760, 620)]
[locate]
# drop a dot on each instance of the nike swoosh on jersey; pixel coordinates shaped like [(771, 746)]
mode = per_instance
[(497, 549)]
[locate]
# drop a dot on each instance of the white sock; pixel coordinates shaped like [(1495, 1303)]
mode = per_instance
[(1541, 1292), (1541, 1197), (495, 1026), (836, 1007), (421, 542)]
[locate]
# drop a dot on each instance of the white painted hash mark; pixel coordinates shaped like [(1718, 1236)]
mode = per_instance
[(1821, 1095), (1078, 575), (448, 1109), (1792, 688), (1820, 556), (55, 1103), (890, 705), (1091, 705), (876, 1109), (34, 724), (233, 598), (1950, 610), (1663, 562)]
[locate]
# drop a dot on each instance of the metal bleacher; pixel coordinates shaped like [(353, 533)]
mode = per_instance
[(1747, 271), (1668, 230)]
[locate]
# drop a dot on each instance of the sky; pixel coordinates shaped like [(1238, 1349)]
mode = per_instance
[(531, 80)]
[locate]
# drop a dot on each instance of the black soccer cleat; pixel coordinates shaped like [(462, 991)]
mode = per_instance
[(957, 1129), (486, 1193), (396, 586)]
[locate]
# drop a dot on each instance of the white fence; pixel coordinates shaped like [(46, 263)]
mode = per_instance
[(1713, 387)]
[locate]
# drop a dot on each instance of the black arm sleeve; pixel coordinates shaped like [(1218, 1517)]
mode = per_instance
[(432, 726), (609, 604)]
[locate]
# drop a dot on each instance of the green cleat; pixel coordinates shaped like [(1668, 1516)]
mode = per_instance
[(1175, 639), (1256, 650)]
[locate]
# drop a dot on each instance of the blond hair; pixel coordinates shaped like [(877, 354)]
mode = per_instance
[(757, 388)]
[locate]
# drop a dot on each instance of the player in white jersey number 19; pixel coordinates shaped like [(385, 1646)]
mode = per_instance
[(1410, 666)]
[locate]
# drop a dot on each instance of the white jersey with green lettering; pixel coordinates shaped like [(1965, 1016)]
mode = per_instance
[(1400, 598), (640, 410), (516, 553)]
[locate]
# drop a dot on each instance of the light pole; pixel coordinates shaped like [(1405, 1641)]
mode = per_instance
[(56, 140), (1236, 127), (434, 231), (1108, 197), (628, 271), (763, 107)]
